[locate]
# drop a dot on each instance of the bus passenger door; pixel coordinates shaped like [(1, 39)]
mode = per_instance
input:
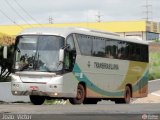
[(70, 54)]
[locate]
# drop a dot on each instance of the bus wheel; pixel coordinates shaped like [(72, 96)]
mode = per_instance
[(37, 100), (127, 97), (80, 95)]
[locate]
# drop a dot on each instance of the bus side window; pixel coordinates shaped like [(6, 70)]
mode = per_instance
[(70, 54)]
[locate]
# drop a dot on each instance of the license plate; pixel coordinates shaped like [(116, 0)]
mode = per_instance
[(34, 87)]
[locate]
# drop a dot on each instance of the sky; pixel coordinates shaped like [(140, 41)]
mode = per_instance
[(69, 11)]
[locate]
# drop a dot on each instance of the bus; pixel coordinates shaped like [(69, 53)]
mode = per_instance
[(79, 64)]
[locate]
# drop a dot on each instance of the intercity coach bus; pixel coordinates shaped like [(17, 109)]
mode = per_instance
[(82, 65)]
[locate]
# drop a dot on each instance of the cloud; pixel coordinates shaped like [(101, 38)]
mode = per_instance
[(78, 10)]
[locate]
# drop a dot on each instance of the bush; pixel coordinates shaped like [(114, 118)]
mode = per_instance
[(154, 66), (6, 64)]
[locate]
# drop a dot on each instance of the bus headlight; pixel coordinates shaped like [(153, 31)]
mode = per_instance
[(15, 92)]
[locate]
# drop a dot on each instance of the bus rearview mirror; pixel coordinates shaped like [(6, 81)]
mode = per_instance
[(61, 55)]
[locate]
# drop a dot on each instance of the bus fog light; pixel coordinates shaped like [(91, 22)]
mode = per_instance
[(55, 94)]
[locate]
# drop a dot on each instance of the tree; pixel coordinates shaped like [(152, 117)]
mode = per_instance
[(6, 64)]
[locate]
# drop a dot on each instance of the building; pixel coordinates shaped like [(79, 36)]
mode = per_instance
[(142, 30)]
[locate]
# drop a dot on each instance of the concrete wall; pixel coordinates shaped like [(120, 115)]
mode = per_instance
[(6, 95)]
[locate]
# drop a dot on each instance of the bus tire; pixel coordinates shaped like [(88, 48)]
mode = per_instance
[(127, 97), (81, 93), (37, 100)]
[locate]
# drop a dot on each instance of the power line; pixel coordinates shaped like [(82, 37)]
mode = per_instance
[(17, 13), (25, 11), (10, 19)]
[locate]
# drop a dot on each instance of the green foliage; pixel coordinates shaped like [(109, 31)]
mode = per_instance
[(154, 66), (6, 64), (56, 102), (157, 40)]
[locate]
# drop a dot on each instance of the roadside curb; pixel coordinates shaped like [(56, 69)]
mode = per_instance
[(154, 80)]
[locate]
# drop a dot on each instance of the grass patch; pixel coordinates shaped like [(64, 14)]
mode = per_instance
[(154, 66), (56, 102)]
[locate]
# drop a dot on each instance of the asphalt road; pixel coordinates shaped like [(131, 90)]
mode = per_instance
[(154, 86), (101, 111), (87, 112), (81, 109)]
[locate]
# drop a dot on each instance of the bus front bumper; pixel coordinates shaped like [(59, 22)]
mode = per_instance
[(50, 90), (43, 86)]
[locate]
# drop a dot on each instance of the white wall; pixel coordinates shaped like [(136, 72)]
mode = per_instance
[(6, 95)]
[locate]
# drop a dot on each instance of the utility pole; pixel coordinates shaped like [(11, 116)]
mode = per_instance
[(147, 10), (50, 20), (99, 16)]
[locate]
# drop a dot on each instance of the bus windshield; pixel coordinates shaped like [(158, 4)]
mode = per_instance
[(38, 53)]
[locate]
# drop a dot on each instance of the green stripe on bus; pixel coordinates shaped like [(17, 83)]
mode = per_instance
[(143, 81), (92, 86)]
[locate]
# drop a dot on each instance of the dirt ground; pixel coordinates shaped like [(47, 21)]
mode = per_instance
[(151, 98)]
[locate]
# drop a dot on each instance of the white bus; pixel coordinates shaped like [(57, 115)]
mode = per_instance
[(82, 65)]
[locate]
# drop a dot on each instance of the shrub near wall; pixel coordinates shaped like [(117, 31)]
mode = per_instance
[(154, 66), (6, 64), (154, 60)]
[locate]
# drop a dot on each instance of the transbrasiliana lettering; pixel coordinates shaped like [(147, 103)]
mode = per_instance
[(106, 66)]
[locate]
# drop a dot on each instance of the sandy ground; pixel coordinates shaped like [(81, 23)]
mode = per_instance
[(151, 98)]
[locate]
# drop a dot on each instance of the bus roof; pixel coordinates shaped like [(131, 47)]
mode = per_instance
[(64, 32)]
